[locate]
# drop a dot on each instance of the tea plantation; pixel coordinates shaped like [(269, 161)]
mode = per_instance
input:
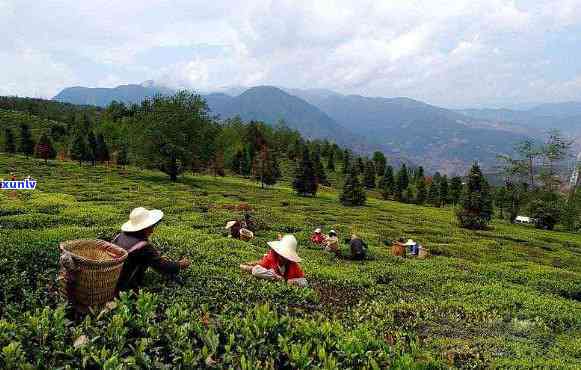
[(507, 297)]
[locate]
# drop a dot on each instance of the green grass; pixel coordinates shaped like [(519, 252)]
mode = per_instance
[(507, 297)]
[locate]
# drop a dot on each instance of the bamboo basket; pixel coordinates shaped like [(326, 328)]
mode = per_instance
[(423, 253), (97, 266), (246, 235), (398, 250)]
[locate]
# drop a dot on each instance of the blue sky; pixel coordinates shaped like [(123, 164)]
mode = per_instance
[(451, 53)]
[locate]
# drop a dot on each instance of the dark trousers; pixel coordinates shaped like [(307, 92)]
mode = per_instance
[(358, 257)]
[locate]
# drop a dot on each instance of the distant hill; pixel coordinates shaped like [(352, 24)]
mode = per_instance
[(104, 96), (562, 116), (439, 138), (271, 105), (261, 103)]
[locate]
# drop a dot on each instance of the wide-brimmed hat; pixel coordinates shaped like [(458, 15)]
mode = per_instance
[(410, 242), (318, 230), (229, 224), (141, 218), (286, 247), (332, 232)]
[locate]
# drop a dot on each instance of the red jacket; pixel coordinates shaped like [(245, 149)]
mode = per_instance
[(272, 261), (317, 238)]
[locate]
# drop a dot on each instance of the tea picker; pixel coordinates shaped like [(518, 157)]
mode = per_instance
[(237, 230), (280, 263), (94, 271), (134, 239)]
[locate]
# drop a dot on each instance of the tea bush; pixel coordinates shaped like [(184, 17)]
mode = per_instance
[(507, 297)]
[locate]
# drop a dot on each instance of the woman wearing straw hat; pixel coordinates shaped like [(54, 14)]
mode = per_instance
[(234, 228), (280, 263), (413, 247), (332, 243), (134, 238)]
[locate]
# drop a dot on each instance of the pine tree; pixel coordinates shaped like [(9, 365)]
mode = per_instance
[(420, 174), (246, 163), (477, 208), (326, 149), (437, 178), (123, 155), (353, 193), (346, 161), (434, 194), (379, 162), (44, 148), (218, 163), (444, 193), (79, 148), (305, 182), (387, 183), (26, 143), (102, 150), (91, 152), (268, 172), (331, 161), (275, 168), (237, 162), (338, 153), (369, 175), (9, 145), (455, 190), (408, 195), (86, 124), (401, 183), (319, 169), (360, 165), (421, 194)]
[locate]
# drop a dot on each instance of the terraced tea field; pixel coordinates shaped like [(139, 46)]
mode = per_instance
[(507, 297)]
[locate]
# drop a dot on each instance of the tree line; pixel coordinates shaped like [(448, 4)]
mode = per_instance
[(179, 133)]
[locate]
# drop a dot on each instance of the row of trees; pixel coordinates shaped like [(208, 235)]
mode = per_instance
[(90, 148), (24, 145), (178, 133), (44, 148)]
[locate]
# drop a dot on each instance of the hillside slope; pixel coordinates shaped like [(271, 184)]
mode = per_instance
[(272, 105), (561, 116), (508, 297), (438, 138)]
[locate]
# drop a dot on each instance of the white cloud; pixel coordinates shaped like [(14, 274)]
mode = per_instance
[(48, 75), (448, 52)]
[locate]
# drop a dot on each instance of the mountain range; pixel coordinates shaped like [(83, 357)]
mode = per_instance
[(404, 129)]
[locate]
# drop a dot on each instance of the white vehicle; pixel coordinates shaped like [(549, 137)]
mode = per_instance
[(524, 220)]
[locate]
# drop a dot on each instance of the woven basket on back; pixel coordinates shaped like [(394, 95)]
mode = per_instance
[(398, 250), (246, 235), (98, 265)]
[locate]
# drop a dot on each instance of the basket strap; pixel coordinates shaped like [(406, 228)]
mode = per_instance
[(67, 262), (137, 246)]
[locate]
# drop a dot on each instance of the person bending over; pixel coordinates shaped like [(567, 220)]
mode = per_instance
[(134, 238), (318, 237), (280, 263), (332, 243), (358, 248)]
